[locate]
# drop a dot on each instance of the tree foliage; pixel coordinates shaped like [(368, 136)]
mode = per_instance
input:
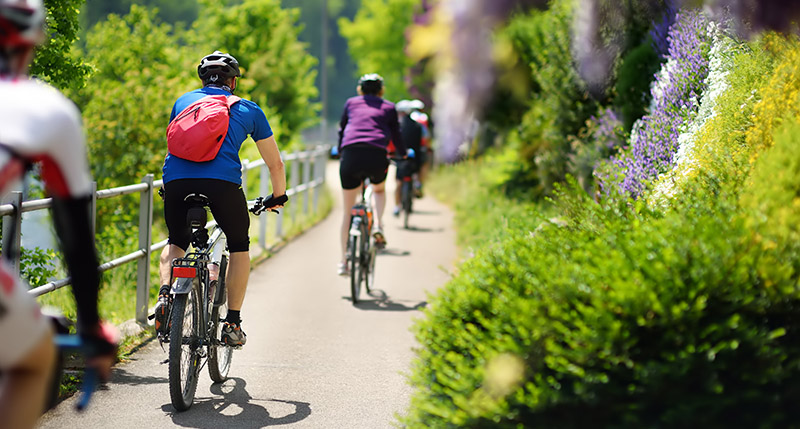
[(171, 11), (53, 62), (277, 70), (126, 106), (377, 40), (340, 66)]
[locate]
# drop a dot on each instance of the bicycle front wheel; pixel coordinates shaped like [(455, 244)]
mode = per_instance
[(219, 355), (407, 197), (184, 349)]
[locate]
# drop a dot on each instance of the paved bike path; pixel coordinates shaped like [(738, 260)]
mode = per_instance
[(313, 360)]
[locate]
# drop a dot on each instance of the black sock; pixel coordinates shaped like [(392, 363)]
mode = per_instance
[(164, 290), (234, 317)]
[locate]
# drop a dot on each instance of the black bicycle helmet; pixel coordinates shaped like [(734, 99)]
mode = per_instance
[(371, 83), (218, 66), (21, 22)]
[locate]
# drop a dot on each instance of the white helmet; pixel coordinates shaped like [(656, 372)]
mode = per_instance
[(21, 23), (417, 104), (404, 106)]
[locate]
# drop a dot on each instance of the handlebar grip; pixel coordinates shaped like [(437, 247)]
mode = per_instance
[(265, 203)]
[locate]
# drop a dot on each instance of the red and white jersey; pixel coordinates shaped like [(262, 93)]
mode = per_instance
[(37, 124)]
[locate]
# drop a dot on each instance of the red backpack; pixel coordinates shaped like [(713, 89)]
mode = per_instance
[(197, 133)]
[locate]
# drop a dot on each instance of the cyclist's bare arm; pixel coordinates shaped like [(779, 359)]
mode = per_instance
[(268, 149)]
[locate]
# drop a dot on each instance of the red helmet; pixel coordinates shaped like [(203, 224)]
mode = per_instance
[(21, 23)]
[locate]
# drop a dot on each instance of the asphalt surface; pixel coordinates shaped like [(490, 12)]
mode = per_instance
[(313, 359)]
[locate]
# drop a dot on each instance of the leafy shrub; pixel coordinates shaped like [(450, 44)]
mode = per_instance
[(616, 319), (772, 194), (560, 104), (601, 139), (634, 75)]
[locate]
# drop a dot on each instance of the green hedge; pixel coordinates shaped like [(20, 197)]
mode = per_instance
[(616, 319)]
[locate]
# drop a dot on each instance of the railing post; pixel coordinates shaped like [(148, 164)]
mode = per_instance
[(295, 179), (12, 230), (244, 176), (262, 220), (306, 180), (279, 225), (318, 161), (93, 209), (145, 239)]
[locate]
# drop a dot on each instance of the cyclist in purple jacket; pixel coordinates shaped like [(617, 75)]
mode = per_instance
[(368, 124)]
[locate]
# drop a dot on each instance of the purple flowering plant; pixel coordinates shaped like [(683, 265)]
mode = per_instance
[(675, 94)]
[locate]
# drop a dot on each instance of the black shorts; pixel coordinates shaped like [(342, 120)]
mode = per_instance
[(407, 168), (361, 162), (228, 206)]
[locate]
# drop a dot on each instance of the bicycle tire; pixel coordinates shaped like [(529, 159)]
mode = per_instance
[(372, 254), (355, 268), (219, 355), (406, 199), (185, 343)]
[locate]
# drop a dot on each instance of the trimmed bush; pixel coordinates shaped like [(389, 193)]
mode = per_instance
[(617, 319)]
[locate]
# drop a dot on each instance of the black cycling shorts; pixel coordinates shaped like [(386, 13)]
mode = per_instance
[(360, 162), (228, 206)]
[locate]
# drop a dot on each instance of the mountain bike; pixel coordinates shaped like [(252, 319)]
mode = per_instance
[(361, 246), (199, 303)]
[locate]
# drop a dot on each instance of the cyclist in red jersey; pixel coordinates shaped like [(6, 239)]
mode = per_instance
[(39, 124)]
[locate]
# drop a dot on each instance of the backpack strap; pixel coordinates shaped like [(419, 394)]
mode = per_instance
[(233, 100)]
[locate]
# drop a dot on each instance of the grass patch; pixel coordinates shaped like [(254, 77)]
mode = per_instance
[(474, 190)]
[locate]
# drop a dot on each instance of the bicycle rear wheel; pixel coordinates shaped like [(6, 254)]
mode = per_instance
[(219, 355), (371, 254), (184, 348), (354, 259), (407, 197)]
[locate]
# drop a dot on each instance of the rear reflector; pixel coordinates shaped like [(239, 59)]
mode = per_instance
[(184, 272)]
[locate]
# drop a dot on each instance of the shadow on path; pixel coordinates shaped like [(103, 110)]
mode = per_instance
[(122, 376), (393, 252), (412, 228), (383, 302), (235, 408)]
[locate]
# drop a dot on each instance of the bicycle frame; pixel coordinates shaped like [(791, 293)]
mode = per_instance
[(360, 253), (191, 271)]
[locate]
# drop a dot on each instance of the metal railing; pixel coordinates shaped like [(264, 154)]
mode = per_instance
[(310, 164)]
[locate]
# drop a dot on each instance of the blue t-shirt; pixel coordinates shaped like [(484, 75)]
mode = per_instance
[(246, 118)]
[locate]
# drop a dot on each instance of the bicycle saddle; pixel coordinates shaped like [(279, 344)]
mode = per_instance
[(197, 216)]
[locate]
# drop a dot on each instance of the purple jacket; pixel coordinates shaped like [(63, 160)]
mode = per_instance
[(372, 120)]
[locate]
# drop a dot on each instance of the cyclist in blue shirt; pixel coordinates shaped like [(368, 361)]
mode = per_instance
[(220, 179)]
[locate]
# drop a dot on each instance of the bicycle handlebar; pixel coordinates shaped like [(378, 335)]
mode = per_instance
[(90, 377), (263, 204)]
